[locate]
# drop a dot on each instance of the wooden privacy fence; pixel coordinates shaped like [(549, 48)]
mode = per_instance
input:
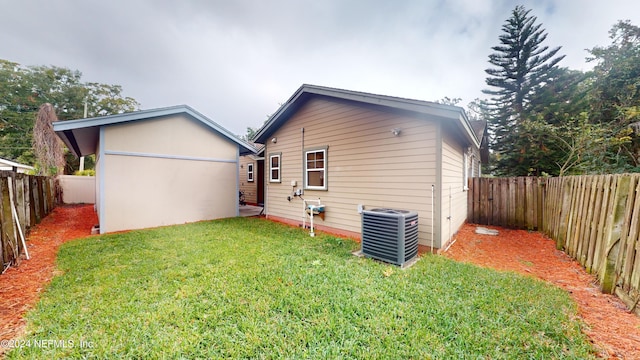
[(594, 219), (32, 198), (510, 202)]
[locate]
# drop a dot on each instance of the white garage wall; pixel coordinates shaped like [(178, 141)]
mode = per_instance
[(164, 172), (78, 189)]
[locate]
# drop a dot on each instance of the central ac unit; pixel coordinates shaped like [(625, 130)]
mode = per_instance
[(390, 235)]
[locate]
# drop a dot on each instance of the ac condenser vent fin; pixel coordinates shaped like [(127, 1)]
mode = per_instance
[(390, 235)]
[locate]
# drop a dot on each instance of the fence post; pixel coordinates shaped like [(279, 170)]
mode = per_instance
[(20, 201), (614, 233), (5, 256), (567, 188), (42, 197), (8, 230), (540, 186)]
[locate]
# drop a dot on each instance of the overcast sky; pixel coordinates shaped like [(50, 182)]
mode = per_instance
[(236, 61)]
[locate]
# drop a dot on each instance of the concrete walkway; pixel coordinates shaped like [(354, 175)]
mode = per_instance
[(250, 210)]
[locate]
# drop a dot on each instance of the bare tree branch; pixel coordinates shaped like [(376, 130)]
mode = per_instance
[(46, 145)]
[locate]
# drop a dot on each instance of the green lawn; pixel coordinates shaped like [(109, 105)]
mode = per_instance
[(249, 288)]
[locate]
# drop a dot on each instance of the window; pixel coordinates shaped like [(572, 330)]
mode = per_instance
[(274, 167), (315, 169), (250, 172)]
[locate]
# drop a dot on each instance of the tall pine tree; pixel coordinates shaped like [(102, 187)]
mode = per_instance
[(522, 65)]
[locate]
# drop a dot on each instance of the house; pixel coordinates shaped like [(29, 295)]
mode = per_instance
[(8, 165), (158, 167), (355, 150), (252, 177)]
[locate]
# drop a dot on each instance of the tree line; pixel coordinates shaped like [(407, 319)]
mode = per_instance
[(24, 89), (545, 119)]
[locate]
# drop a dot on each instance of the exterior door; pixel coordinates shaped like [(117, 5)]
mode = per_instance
[(260, 184)]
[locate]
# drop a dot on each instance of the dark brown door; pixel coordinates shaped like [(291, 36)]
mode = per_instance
[(260, 184)]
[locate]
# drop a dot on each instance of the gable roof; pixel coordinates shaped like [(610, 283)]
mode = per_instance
[(81, 136), (479, 127), (306, 91)]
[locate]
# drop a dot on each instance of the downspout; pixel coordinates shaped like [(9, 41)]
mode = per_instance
[(449, 218), (302, 179), (101, 165), (432, 207), (438, 188), (265, 190), (238, 181), (85, 116), (303, 156)]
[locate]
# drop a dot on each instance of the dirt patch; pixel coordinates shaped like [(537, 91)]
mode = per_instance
[(20, 286), (609, 325)]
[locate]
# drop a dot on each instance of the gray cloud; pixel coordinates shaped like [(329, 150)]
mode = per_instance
[(236, 60)]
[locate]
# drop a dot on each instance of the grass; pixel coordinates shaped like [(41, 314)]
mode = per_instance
[(249, 288)]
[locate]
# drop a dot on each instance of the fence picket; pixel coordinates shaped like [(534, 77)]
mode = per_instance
[(25, 194), (540, 186), (588, 219), (585, 184), (484, 203), (574, 230), (594, 219), (626, 261), (614, 237)]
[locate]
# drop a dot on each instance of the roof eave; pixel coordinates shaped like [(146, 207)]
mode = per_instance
[(271, 125), (464, 123), (15, 164), (66, 129), (417, 106)]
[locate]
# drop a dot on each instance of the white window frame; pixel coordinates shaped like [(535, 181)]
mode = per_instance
[(279, 168), (250, 172), (323, 170)]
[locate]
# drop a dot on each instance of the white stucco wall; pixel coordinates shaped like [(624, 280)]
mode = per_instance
[(164, 172), (78, 189)]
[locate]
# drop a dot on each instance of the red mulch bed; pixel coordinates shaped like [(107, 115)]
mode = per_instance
[(609, 325), (20, 286)]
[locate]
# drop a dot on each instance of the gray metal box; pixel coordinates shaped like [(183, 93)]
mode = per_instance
[(390, 235)]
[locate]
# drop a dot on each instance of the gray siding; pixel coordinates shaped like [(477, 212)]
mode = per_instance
[(250, 188), (367, 164), (454, 194)]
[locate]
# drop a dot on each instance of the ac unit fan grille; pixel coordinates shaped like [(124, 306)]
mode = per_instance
[(390, 235)]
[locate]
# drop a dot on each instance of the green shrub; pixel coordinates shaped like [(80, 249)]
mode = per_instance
[(85, 173)]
